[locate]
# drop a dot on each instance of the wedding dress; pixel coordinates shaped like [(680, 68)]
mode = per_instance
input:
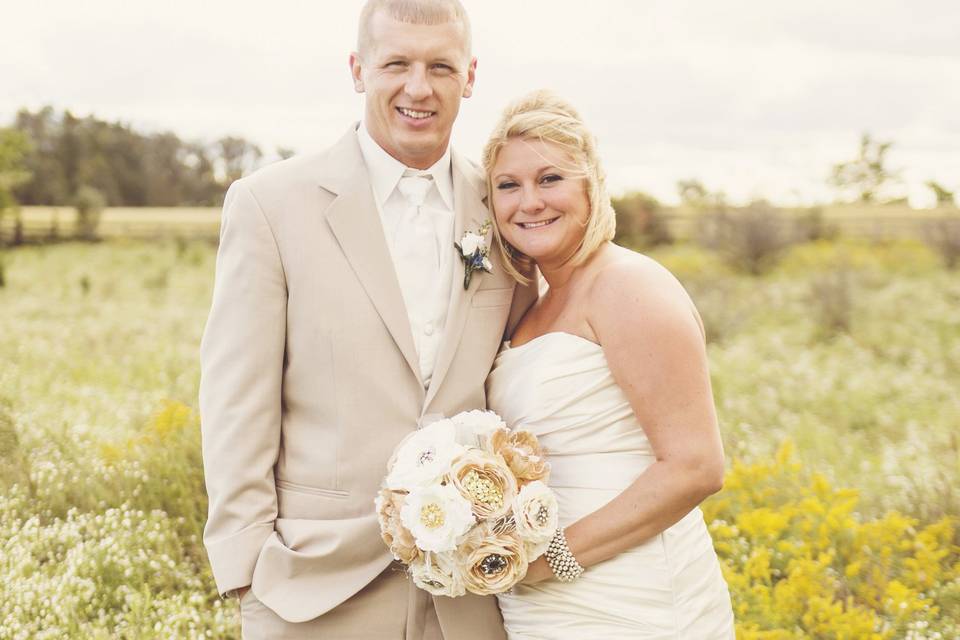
[(559, 387)]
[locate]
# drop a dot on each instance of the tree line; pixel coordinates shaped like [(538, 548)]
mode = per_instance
[(65, 158)]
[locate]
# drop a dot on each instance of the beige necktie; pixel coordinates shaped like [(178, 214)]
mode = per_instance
[(415, 247)]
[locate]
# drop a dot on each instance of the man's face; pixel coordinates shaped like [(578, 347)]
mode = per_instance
[(414, 76)]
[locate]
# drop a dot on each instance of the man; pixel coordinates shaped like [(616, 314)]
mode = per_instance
[(340, 319)]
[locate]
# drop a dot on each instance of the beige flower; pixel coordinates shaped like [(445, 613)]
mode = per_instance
[(536, 514), (397, 537), (492, 563), (484, 479), (522, 453), (439, 574)]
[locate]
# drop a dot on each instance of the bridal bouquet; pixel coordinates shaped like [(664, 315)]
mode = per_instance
[(465, 506)]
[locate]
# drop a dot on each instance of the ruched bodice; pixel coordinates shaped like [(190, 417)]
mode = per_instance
[(559, 387)]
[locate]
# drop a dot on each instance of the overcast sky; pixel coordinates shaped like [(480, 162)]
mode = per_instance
[(755, 97)]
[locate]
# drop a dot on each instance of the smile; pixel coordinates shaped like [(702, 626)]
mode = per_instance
[(536, 225), (416, 115)]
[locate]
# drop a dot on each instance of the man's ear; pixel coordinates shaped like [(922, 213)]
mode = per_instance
[(471, 78), (356, 71)]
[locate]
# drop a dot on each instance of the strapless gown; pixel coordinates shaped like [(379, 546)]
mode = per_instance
[(559, 387)]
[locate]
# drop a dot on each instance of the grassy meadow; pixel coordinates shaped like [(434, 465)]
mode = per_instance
[(835, 375)]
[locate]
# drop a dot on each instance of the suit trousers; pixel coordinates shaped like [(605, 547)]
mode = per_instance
[(391, 607)]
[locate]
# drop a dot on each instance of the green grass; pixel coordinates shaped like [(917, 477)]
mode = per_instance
[(101, 495)]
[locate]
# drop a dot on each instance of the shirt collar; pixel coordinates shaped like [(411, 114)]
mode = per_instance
[(386, 171)]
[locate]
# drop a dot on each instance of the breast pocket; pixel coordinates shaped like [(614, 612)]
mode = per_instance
[(492, 297)]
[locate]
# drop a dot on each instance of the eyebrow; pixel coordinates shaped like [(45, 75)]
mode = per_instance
[(452, 62), (539, 171)]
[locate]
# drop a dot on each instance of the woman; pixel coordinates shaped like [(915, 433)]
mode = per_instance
[(608, 368)]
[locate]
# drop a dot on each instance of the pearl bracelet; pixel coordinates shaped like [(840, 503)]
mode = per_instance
[(561, 560)]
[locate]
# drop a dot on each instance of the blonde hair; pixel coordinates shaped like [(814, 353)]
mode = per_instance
[(413, 12), (542, 115)]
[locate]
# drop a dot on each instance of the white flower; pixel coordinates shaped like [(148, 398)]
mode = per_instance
[(470, 243), (437, 515), (424, 456), (483, 423), (487, 265), (439, 574), (475, 428), (536, 513)]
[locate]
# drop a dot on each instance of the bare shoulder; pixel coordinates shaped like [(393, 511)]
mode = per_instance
[(631, 291)]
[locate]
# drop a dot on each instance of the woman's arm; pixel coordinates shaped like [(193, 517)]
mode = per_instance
[(653, 341)]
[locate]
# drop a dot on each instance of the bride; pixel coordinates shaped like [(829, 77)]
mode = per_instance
[(608, 369)]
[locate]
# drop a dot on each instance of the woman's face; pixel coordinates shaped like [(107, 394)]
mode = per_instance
[(540, 200)]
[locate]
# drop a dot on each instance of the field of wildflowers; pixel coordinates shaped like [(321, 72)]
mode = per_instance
[(835, 377)]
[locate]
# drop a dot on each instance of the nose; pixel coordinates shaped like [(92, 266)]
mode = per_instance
[(418, 84), (530, 201)]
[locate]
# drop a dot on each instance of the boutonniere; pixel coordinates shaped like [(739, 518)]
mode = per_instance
[(473, 249)]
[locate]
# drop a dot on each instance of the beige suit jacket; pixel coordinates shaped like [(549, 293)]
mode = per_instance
[(310, 378)]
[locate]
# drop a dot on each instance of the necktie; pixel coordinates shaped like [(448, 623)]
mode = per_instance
[(415, 246)]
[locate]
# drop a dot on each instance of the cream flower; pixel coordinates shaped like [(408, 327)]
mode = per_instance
[(437, 515), (522, 453), (470, 243), (491, 562), (423, 456), (439, 574), (484, 479), (395, 535), (536, 514), (476, 427)]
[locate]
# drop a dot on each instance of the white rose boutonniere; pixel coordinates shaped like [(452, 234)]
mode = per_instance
[(473, 250)]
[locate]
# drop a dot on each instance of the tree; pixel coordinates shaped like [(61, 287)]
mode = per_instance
[(866, 175), (696, 196), (944, 196), (238, 156), (285, 153), (640, 220), (13, 147), (128, 168), (89, 203)]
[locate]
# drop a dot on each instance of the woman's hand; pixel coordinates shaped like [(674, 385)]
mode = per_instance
[(538, 571)]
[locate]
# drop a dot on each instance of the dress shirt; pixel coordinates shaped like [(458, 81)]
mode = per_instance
[(426, 306)]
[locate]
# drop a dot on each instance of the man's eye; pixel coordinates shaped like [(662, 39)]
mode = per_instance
[(506, 184), (396, 64), (445, 68)]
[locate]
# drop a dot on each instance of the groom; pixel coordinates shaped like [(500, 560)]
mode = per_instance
[(340, 319)]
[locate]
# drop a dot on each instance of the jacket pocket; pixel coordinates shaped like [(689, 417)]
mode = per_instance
[(492, 297)]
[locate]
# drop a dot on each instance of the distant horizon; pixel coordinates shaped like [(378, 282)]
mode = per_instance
[(756, 99)]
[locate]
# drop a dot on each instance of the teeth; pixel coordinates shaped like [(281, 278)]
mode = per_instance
[(410, 113), (534, 225)]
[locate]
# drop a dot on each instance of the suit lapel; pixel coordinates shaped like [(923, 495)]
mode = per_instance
[(355, 222), (470, 213)]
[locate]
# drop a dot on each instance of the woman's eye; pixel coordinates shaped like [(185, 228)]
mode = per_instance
[(550, 177), (507, 184)]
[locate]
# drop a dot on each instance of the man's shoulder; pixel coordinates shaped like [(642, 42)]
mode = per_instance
[(309, 169), (290, 171)]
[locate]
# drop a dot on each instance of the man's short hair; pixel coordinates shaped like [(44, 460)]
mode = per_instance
[(413, 12)]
